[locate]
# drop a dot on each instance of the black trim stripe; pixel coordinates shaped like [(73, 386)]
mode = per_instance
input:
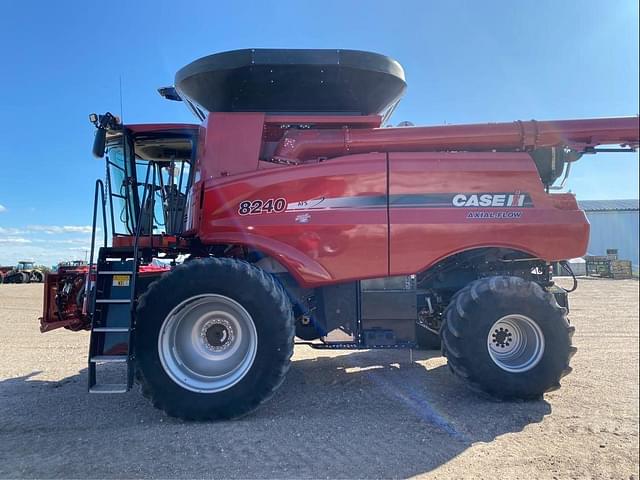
[(427, 200)]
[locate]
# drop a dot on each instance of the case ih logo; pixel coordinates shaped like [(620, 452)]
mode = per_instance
[(508, 200)]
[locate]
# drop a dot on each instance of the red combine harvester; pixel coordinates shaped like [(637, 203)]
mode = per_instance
[(292, 212)]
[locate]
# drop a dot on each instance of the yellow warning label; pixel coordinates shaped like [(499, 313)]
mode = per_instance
[(121, 280)]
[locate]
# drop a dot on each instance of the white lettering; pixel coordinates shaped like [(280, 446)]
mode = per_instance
[(485, 200), (472, 201), (459, 200), (498, 201)]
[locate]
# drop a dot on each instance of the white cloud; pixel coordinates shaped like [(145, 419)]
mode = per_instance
[(2, 208), (14, 241), (50, 229), (41, 253), (59, 241), (11, 231), (44, 244)]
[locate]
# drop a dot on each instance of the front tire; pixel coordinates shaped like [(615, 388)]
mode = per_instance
[(507, 337), (214, 339), (37, 276)]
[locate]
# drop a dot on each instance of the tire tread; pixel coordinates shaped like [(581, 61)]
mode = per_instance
[(457, 314), (226, 266)]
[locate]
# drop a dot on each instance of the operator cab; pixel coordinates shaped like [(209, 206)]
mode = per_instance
[(149, 173)]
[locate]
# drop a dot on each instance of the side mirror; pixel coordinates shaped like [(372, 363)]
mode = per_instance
[(99, 142), (103, 123)]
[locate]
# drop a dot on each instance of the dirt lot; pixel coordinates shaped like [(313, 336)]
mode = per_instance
[(339, 414)]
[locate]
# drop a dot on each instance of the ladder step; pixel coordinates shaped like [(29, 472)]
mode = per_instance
[(111, 329), (109, 388), (115, 272), (113, 300), (109, 358)]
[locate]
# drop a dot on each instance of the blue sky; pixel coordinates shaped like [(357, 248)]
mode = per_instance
[(465, 61)]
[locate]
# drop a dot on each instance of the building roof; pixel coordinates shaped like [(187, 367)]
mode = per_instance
[(609, 205)]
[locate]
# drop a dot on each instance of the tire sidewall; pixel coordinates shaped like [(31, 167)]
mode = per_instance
[(493, 306), (202, 278)]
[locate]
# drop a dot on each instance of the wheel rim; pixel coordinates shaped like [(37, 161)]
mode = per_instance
[(515, 343), (207, 343)]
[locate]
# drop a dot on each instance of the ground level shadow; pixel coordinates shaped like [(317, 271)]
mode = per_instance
[(361, 414)]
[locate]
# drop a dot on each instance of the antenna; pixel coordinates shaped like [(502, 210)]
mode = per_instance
[(121, 111)]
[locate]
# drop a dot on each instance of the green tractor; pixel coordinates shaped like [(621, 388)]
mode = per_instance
[(24, 272)]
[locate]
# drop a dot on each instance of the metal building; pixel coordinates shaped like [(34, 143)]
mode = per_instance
[(614, 225)]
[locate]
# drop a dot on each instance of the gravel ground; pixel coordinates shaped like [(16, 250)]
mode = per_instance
[(338, 415)]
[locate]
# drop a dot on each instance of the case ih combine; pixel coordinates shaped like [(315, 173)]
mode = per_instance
[(299, 215)]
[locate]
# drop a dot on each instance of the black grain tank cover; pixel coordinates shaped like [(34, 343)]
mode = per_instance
[(345, 82)]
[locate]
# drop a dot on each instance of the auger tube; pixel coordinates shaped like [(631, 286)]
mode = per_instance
[(579, 135)]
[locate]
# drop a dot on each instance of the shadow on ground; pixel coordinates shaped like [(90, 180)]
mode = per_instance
[(362, 414)]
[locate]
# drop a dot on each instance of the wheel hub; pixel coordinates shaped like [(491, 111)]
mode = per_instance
[(515, 343), (207, 343), (217, 334), (502, 337)]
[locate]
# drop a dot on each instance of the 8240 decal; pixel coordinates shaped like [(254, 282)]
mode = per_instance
[(256, 207)]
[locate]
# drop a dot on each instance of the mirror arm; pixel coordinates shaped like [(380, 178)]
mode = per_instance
[(103, 123)]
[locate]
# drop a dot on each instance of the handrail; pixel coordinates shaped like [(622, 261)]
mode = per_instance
[(137, 238), (99, 189), (110, 190), (152, 214)]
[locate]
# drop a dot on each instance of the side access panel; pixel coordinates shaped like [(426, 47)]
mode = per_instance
[(327, 222), (444, 203)]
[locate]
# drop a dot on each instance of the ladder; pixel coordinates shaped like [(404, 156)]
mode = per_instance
[(110, 293), (113, 321)]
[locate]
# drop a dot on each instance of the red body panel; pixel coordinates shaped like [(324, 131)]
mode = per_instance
[(233, 141), (332, 244), (420, 236), (341, 243), (337, 244)]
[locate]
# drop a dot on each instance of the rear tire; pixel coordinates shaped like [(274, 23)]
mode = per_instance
[(195, 322), (507, 337), (14, 277)]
